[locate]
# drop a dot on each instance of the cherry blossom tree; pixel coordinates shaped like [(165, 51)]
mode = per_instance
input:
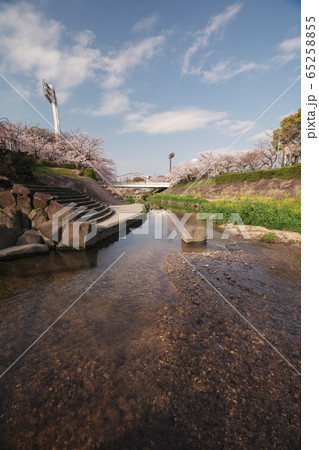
[(267, 152), (251, 160), (76, 147)]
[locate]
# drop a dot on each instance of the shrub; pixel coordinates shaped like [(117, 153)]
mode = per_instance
[(29, 159), (129, 199), (288, 172), (88, 172)]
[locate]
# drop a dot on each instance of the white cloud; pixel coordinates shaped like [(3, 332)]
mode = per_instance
[(113, 103), (146, 23), (228, 69), (289, 50), (215, 25), (233, 127), (176, 121), (266, 134), (117, 64), (85, 38), (37, 47), (30, 43), (225, 70)]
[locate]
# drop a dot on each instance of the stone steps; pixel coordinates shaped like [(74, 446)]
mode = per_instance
[(94, 210)]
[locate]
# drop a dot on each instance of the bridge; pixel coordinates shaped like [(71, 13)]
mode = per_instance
[(142, 184)]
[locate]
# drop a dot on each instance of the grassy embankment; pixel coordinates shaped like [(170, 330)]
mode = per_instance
[(44, 167), (272, 213), (284, 173)]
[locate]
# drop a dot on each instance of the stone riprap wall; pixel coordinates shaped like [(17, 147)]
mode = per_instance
[(13, 166), (25, 222)]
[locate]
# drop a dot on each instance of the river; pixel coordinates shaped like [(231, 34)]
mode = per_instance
[(81, 385)]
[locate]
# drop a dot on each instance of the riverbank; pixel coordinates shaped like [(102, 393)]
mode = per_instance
[(261, 234), (282, 214), (275, 183), (230, 191)]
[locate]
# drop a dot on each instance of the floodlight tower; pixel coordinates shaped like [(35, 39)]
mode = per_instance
[(170, 157), (49, 93)]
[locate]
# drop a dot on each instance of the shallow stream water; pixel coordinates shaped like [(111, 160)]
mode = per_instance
[(75, 384)]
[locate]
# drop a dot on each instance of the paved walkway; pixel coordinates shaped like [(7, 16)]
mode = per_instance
[(122, 213)]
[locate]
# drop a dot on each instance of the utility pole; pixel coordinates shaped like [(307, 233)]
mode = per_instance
[(286, 150), (49, 93), (170, 157)]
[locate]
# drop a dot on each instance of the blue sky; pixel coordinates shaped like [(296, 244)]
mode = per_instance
[(153, 77)]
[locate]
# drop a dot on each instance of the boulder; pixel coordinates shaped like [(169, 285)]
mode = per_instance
[(192, 233), (12, 219), (37, 217), (21, 190), (41, 200), (7, 238), (53, 208), (46, 233), (23, 250), (30, 237), (24, 204), (7, 200), (75, 235)]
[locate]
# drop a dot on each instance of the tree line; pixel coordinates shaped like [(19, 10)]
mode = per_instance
[(284, 148), (75, 147)]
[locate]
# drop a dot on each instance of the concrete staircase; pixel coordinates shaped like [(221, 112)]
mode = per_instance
[(92, 210)]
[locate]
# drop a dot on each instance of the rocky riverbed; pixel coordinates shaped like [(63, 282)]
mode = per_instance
[(229, 387), (153, 356)]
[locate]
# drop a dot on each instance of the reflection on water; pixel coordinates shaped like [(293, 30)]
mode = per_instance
[(83, 384)]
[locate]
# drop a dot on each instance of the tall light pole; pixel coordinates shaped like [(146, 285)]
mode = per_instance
[(49, 93), (170, 157)]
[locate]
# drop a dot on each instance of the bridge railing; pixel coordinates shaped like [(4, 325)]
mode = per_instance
[(143, 183)]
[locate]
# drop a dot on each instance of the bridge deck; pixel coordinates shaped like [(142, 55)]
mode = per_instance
[(142, 185)]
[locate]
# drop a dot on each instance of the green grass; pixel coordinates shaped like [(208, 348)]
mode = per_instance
[(270, 237), (283, 173), (61, 171), (42, 170), (33, 162), (283, 214), (129, 199)]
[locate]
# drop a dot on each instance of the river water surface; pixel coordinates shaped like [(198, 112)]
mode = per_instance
[(81, 384)]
